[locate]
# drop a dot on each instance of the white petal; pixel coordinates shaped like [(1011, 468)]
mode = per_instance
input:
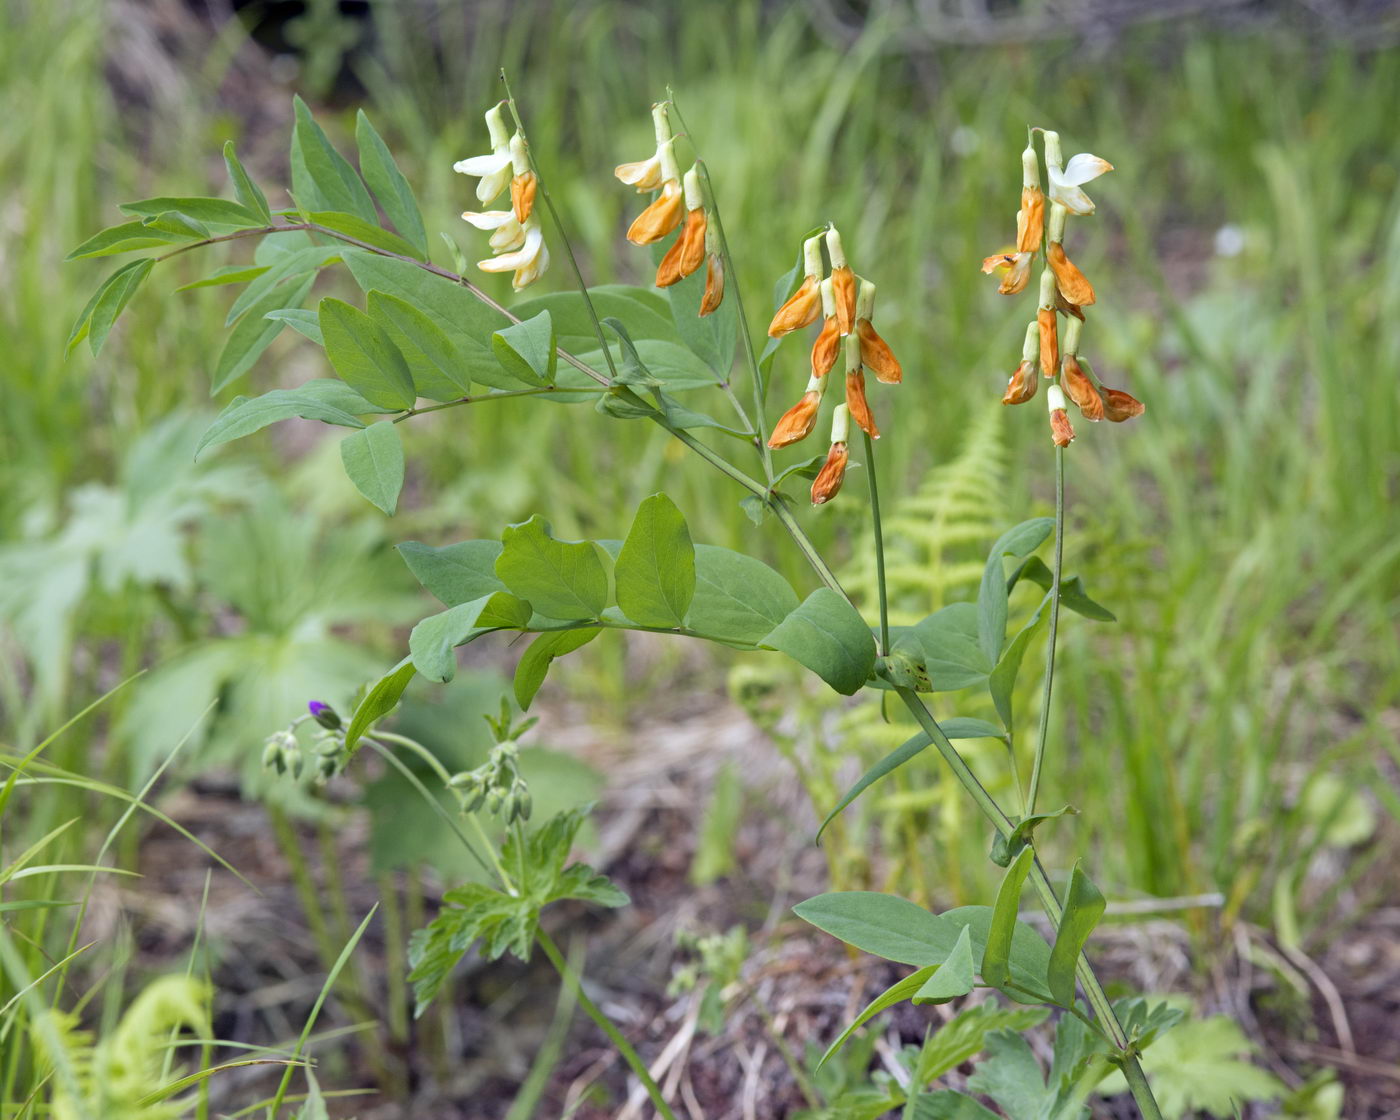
[(493, 184), (525, 255), (489, 219), (1084, 168), (509, 237), (483, 165), (1069, 196), (531, 272)]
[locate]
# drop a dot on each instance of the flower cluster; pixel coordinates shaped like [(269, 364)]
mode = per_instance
[(845, 303), (678, 200), (517, 241), (1064, 290), (496, 785)]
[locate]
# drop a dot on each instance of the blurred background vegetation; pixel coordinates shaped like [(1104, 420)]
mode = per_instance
[(1233, 737)]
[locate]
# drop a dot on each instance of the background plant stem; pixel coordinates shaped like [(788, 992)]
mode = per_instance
[(1054, 629)]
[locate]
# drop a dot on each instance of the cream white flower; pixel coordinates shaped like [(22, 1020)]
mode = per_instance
[(495, 169), (1065, 181), (528, 262), (648, 174)]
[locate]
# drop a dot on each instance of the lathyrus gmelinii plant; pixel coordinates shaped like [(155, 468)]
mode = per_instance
[(426, 333)]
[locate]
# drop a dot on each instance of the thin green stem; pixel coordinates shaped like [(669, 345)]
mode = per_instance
[(596, 1013), (1142, 1092), (497, 396), (1054, 629), (879, 531), (804, 543)]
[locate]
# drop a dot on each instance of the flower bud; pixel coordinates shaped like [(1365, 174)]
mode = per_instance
[(796, 423), (1080, 389), (1049, 342), (833, 472), (272, 758), (1071, 282), (324, 714), (1060, 430), (714, 285)]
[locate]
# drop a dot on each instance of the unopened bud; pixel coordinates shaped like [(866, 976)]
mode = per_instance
[(324, 714), (812, 256), (272, 757), (835, 250), (661, 121)]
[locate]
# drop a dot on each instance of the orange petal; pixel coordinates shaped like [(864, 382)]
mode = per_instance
[(876, 354), (843, 287), (1119, 406), (660, 218), (826, 348), (859, 406), (996, 261), (1016, 277), (522, 195), (1023, 384), (798, 421), (1060, 430), (1064, 306), (1030, 220), (1080, 389), (693, 241), (801, 308), (1068, 278), (686, 255), (714, 285), (830, 477), (1049, 342)]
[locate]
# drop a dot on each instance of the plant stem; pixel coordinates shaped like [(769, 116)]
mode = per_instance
[(496, 396), (1054, 629), (1142, 1092), (879, 544), (596, 1013)]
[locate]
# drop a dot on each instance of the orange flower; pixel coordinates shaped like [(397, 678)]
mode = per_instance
[(796, 423), (714, 285), (1080, 389), (1119, 406), (687, 254), (660, 218), (1049, 342), (1072, 283), (875, 352), (859, 406), (1060, 430), (828, 481), (855, 389), (828, 344), (833, 472), (1064, 307), (843, 283), (804, 304), (522, 195), (666, 210), (1030, 219), (1023, 384)]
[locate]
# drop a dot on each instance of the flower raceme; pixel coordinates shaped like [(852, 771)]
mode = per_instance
[(845, 303), (681, 202), (517, 240), (1049, 351)]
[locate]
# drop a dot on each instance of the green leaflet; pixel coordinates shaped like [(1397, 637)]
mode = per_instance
[(364, 355), (373, 460), (390, 188), (534, 666), (379, 701), (827, 635), (655, 571), (561, 579), (1084, 906)]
